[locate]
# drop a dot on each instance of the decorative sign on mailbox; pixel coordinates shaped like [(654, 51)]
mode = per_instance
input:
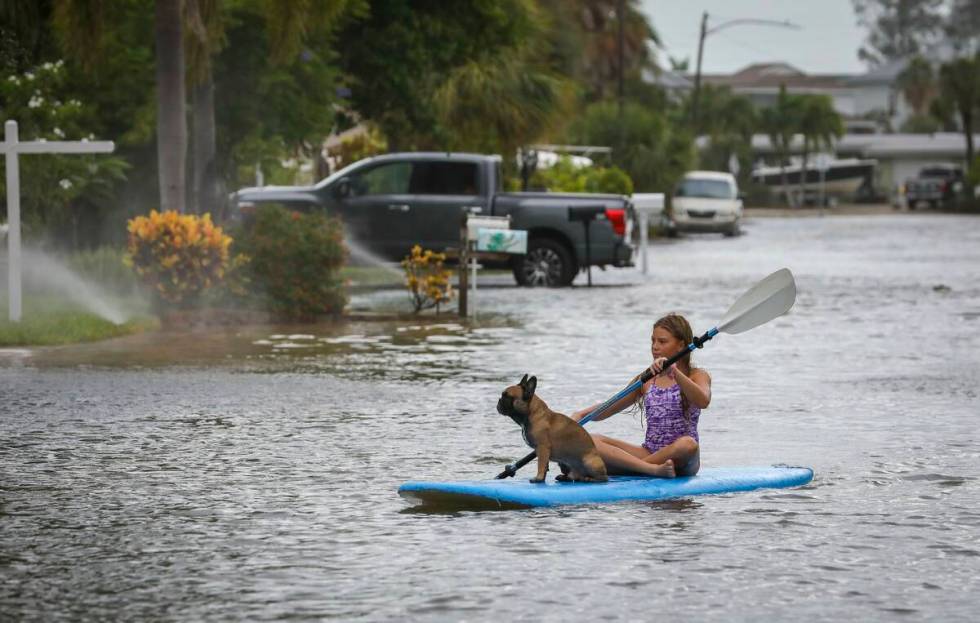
[(502, 240), (475, 222)]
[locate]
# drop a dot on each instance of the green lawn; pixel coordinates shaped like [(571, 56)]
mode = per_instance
[(49, 322)]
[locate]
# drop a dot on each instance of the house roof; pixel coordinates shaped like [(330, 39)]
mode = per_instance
[(944, 144), (884, 74), (774, 75), (938, 145), (668, 79)]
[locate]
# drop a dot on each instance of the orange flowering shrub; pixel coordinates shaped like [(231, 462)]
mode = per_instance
[(427, 281), (180, 256)]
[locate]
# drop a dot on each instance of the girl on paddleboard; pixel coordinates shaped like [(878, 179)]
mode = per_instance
[(671, 404)]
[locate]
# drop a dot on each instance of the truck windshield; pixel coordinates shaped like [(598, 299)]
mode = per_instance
[(710, 189), (942, 173)]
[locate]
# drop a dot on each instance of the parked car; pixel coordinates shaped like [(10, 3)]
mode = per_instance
[(706, 201), (935, 186), (390, 203)]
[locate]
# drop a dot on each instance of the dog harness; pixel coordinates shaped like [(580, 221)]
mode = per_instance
[(666, 422)]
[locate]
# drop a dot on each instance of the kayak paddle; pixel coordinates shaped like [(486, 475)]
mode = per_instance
[(770, 298)]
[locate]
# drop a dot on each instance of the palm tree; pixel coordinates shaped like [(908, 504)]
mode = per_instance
[(501, 103), (599, 21), (781, 123), (918, 84), (171, 105), (203, 41), (819, 124), (729, 121), (959, 84)]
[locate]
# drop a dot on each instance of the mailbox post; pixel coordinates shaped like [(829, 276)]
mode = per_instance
[(646, 205), (488, 236), (585, 215)]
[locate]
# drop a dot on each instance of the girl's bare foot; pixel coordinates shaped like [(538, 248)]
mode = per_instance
[(664, 470)]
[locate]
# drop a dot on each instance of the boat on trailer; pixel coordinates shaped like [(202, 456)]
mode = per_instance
[(840, 177)]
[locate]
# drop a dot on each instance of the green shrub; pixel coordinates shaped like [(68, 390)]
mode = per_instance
[(564, 176), (612, 180), (295, 262)]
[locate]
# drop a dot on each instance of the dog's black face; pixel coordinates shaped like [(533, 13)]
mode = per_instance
[(515, 400)]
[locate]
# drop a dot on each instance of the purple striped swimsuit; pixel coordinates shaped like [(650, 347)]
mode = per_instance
[(665, 420)]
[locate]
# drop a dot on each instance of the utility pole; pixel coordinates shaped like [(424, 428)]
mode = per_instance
[(697, 75), (620, 17), (705, 31)]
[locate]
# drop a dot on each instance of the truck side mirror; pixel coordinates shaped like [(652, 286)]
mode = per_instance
[(343, 188)]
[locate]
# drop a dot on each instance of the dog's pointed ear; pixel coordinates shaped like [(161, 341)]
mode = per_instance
[(529, 388), (523, 381)]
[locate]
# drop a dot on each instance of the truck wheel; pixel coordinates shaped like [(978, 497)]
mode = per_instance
[(547, 263)]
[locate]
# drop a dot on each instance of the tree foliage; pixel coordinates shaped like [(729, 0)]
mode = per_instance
[(654, 152), (918, 84), (959, 87), (898, 29), (728, 121), (57, 191)]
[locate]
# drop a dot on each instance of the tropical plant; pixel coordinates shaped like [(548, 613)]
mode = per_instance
[(918, 84), (401, 53), (651, 151), (498, 103), (597, 24), (57, 191), (781, 122), (820, 125), (565, 176), (959, 87), (295, 262), (427, 280), (728, 121), (179, 256)]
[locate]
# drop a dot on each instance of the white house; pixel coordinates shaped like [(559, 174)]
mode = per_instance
[(864, 100)]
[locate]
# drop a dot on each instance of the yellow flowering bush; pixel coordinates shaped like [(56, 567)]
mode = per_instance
[(180, 256), (426, 279)]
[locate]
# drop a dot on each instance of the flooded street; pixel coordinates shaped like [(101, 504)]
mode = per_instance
[(252, 474)]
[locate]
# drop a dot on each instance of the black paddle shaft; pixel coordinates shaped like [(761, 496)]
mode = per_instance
[(645, 376)]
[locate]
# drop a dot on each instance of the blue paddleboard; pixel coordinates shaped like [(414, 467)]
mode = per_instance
[(521, 493)]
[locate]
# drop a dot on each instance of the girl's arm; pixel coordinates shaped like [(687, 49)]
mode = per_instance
[(615, 408), (696, 387)]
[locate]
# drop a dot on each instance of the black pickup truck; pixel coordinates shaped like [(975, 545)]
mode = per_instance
[(936, 186), (390, 203)]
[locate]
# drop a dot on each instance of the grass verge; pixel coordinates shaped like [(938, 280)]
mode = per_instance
[(50, 323)]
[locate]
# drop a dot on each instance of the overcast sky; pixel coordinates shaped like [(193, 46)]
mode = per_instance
[(827, 42)]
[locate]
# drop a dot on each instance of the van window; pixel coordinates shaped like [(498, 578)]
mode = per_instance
[(443, 178), (710, 189), (385, 179)]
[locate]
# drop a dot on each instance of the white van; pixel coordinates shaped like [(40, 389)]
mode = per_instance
[(707, 201)]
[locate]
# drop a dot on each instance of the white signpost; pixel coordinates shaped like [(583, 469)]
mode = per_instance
[(12, 148)]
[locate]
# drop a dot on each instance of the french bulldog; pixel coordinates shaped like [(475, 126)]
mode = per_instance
[(555, 437)]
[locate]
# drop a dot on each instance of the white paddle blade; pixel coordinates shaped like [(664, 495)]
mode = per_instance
[(770, 298)]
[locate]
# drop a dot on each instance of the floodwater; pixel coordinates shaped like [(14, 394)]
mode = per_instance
[(252, 475)]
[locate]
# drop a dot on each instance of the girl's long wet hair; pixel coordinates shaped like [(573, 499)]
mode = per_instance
[(680, 328)]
